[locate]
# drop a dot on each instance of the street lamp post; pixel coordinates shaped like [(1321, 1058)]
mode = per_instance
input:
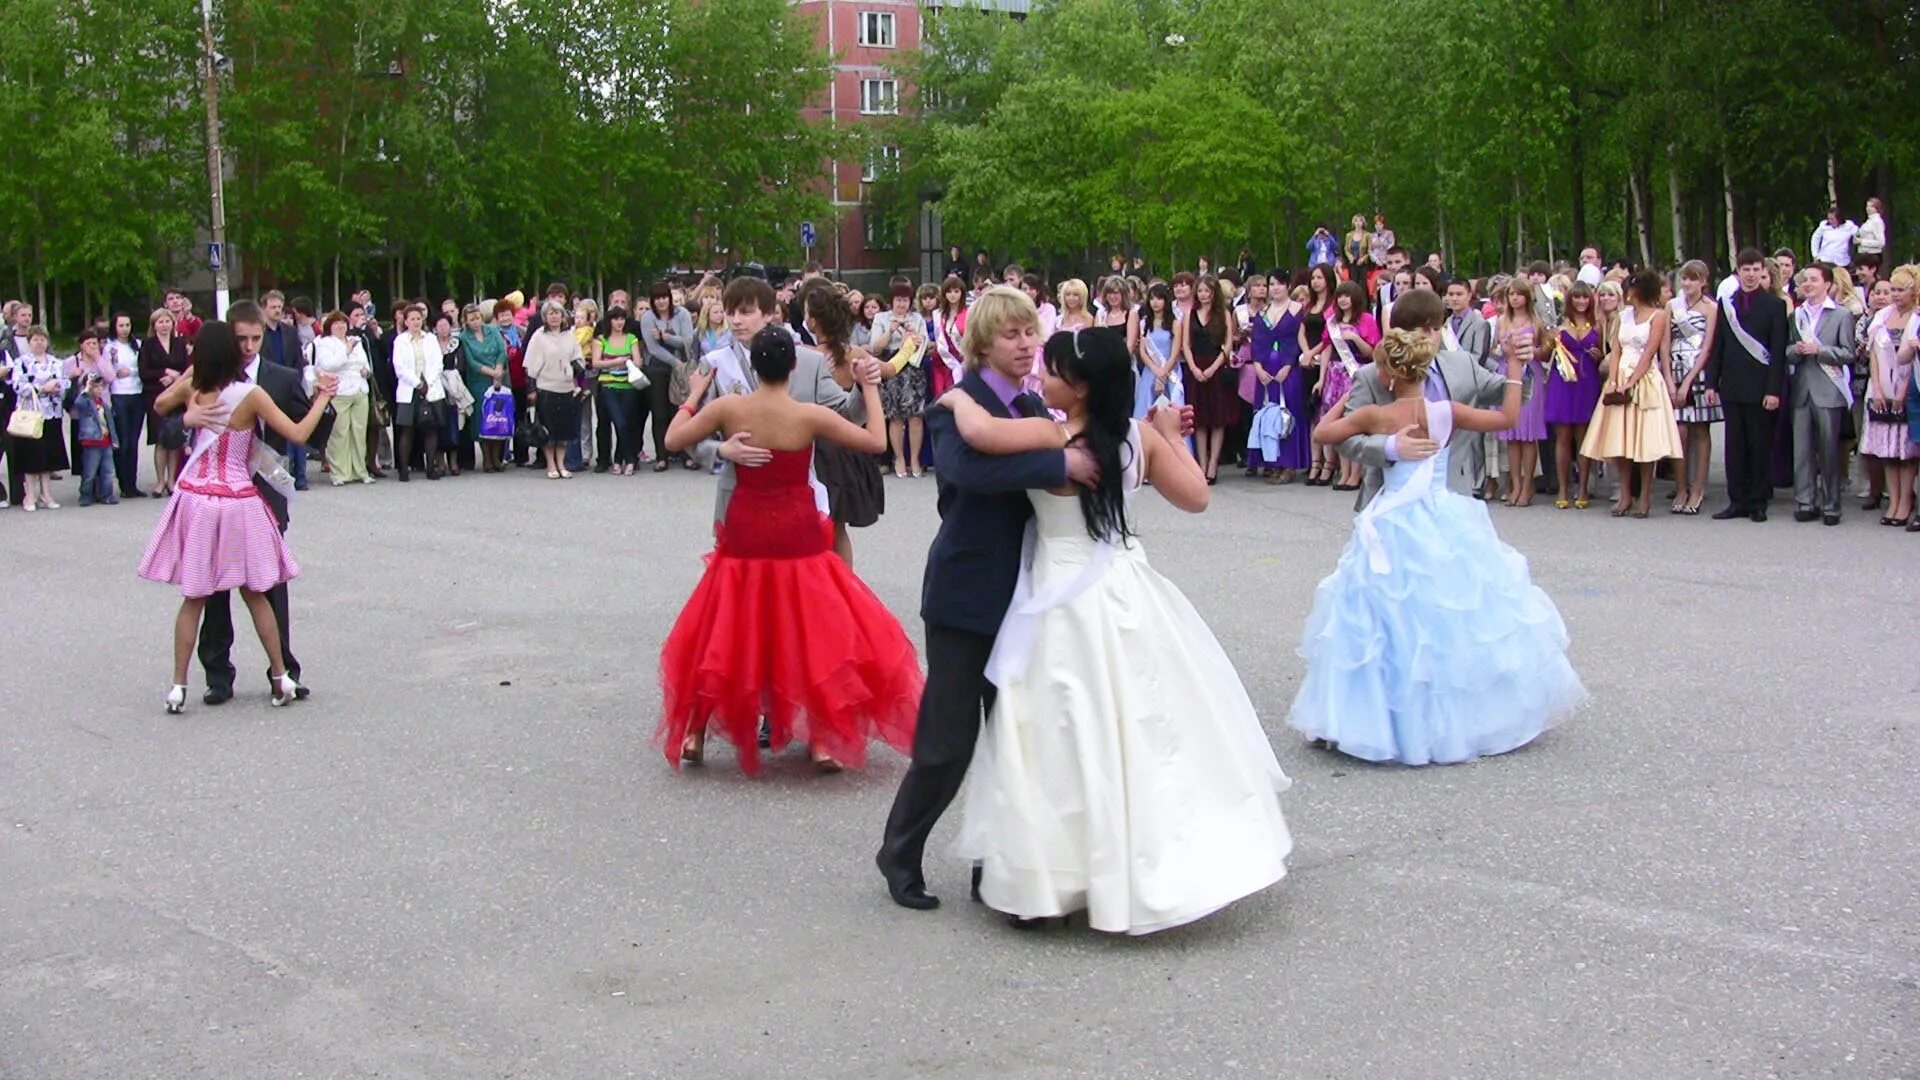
[(217, 251)]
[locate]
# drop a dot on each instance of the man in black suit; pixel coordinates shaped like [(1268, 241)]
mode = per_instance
[(970, 575), (285, 386), (1746, 373)]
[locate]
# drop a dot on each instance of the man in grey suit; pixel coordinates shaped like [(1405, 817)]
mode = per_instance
[(752, 306), (1820, 393), (1454, 376)]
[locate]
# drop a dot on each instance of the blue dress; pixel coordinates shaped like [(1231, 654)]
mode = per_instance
[(1161, 342), (1429, 642)]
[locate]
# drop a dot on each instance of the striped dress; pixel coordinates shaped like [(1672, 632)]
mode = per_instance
[(216, 533)]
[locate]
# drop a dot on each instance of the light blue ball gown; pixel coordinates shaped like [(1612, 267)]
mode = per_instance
[(1429, 642)]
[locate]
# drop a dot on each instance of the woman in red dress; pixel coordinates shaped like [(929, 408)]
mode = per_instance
[(779, 627)]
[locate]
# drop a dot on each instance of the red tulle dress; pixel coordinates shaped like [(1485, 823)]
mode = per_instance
[(780, 628)]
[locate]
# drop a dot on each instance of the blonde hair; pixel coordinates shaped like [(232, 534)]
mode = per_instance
[(995, 310), (155, 317), (1406, 354), (1072, 287), (1908, 275), (593, 309)]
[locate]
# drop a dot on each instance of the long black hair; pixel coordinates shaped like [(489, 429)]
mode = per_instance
[(1096, 361)]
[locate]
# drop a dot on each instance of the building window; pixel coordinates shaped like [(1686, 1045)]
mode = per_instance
[(876, 29), (881, 161), (879, 96), (883, 231)]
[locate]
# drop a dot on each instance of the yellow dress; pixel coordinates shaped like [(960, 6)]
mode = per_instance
[(1644, 429)]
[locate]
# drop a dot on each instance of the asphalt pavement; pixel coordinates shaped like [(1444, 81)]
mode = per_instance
[(462, 857)]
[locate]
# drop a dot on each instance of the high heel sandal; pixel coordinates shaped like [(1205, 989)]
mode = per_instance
[(285, 690), (1618, 509), (1561, 504), (693, 748), (826, 765), (1582, 504), (176, 700)]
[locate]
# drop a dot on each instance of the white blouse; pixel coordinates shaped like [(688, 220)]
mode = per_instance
[(346, 359)]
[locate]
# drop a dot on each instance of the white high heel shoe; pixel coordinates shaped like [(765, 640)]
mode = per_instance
[(177, 700), (284, 689)]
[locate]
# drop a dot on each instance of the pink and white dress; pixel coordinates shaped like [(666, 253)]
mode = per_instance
[(217, 533)]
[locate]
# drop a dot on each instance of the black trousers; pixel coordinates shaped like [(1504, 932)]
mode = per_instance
[(957, 699), (216, 636), (130, 416), (658, 406), (1749, 456)]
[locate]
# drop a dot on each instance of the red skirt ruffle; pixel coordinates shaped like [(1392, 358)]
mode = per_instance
[(800, 641)]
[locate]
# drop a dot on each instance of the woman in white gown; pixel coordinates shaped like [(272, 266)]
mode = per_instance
[(1123, 770)]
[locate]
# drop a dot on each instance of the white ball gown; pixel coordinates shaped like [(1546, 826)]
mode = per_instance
[(1429, 642), (1123, 770)]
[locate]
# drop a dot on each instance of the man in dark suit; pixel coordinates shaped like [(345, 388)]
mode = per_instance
[(970, 575), (1746, 373), (286, 388)]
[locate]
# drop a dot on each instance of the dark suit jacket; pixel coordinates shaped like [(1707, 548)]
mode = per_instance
[(281, 345), (288, 390), (1733, 371), (975, 558)]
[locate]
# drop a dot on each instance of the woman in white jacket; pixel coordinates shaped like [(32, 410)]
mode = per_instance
[(419, 395), (343, 355)]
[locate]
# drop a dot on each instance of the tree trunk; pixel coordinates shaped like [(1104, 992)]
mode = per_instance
[(336, 280), (1726, 192), (1642, 213), (1676, 208), (1519, 226), (1833, 177)]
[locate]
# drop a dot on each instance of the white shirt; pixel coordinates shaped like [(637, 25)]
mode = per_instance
[(1832, 244), (1590, 274), (347, 359), (124, 356), (1872, 237)]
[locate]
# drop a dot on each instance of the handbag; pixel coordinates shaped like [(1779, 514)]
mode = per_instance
[(1616, 397), (536, 431), (26, 421), (637, 376), (496, 414), (1887, 413)]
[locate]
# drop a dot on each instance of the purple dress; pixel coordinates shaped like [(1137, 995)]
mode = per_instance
[(1532, 425), (1278, 347), (1573, 401)]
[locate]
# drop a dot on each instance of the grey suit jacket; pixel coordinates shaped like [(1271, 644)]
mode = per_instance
[(1467, 383), (1476, 337), (1811, 387), (812, 382)]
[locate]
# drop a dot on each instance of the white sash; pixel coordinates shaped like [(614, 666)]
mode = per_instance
[(950, 353), (1753, 347), (1176, 380), (1345, 350), (1416, 487), (1014, 644), (729, 374), (1839, 376), (1448, 337)]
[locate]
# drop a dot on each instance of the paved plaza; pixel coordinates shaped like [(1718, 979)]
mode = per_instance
[(463, 858)]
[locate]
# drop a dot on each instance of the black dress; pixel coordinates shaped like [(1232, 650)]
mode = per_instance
[(1216, 402), (856, 494)]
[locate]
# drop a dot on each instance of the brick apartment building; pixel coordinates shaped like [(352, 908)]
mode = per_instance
[(867, 39)]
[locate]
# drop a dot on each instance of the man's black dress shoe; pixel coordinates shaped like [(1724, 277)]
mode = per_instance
[(1760, 514), (908, 892), (1830, 519), (975, 890), (1729, 514), (1804, 516), (217, 695)]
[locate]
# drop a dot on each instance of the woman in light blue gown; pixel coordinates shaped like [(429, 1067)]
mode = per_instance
[(1429, 643)]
